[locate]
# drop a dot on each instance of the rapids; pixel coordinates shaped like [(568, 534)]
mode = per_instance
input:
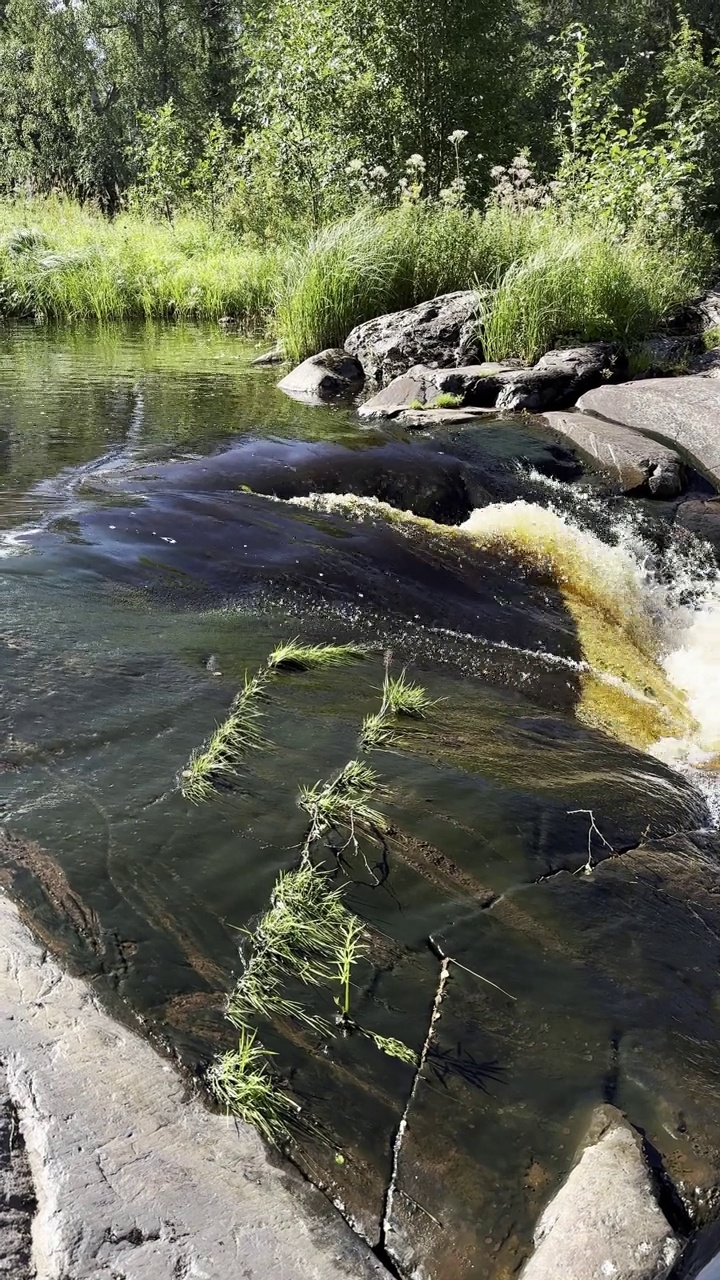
[(168, 517)]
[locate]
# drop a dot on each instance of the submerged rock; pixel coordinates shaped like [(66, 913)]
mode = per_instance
[(275, 356), (639, 465), (131, 1178), (331, 375), (440, 332), (605, 1220), (701, 516)]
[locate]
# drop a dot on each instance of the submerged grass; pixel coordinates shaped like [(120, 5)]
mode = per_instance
[(243, 1084), (400, 697), (214, 766), (346, 802)]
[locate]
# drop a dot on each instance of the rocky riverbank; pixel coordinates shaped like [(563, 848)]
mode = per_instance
[(110, 1171)]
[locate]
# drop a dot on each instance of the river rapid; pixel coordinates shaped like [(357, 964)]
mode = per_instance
[(167, 518)]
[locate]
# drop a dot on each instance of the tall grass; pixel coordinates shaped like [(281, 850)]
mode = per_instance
[(541, 277), (60, 262), (582, 283)]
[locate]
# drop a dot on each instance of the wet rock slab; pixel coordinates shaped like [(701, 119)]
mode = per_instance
[(330, 375), (684, 412), (637, 464), (132, 1180), (605, 1220)]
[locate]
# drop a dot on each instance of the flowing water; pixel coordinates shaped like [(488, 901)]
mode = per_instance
[(167, 518)]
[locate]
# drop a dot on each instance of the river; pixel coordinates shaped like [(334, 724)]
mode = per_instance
[(167, 518)]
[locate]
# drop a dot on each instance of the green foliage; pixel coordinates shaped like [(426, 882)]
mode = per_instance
[(292, 655), (711, 338), (351, 946), (586, 283), (344, 803), (404, 697), (214, 766), (243, 1084), (161, 161), (446, 400)]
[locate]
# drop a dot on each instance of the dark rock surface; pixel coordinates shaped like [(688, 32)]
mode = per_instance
[(684, 412), (330, 375), (423, 480), (557, 379), (416, 385), (701, 516), (637, 464), (708, 363), (667, 354), (441, 332), (605, 1220)]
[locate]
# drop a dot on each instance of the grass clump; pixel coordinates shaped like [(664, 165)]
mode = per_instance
[(404, 697), (243, 1084), (447, 400), (586, 284), (711, 338), (344, 803), (214, 766), (295, 656)]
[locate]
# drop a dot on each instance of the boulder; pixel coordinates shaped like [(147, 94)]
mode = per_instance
[(408, 390), (125, 1175), (605, 1220), (269, 358), (666, 354), (709, 309), (679, 411), (330, 375), (426, 419), (556, 380), (708, 363), (441, 332), (701, 516), (477, 384), (637, 464)]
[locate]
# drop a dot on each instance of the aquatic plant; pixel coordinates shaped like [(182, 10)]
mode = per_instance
[(392, 1047), (404, 697), (350, 948), (378, 730), (345, 802), (213, 767), (244, 1085), (292, 655)]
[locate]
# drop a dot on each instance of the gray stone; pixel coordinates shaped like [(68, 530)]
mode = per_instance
[(684, 412), (269, 358), (556, 380), (634, 462), (605, 1221), (132, 1180), (701, 516), (424, 419), (708, 363), (415, 385), (441, 332), (709, 308), (479, 385), (327, 376), (667, 354)]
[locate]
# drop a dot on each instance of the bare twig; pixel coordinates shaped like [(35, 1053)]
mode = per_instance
[(593, 829)]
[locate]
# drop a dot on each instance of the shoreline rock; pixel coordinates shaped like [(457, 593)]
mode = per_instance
[(637, 464), (440, 332), (330, 375), (605, 1220), (130, 1180)]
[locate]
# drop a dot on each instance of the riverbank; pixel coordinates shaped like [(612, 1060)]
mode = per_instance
[(539, 274), (114, 1171)]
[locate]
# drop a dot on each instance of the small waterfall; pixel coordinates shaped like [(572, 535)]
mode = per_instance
[(648, 623)]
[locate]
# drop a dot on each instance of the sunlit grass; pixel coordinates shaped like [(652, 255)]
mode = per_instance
[(346, 802), (214, 766), (243, 1084), (295, 656)]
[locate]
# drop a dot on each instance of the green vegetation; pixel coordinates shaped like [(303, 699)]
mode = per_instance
[(711, 338), (446, 400), (214, 766), (400, 697), (243, 1083), (345, 803), (294, 656)]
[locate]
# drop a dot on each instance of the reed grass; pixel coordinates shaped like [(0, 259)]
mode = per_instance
[(214, 766), (400, 697), (292, 655), (244, 1085)]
